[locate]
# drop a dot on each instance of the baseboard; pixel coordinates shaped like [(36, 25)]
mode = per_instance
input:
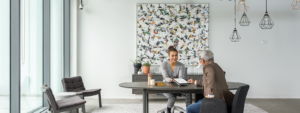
[(274, 98)]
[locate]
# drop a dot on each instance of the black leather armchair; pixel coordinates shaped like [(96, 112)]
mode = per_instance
[(75, 84), (66, 104)]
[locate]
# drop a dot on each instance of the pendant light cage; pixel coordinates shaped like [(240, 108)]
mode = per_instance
[(242, 6), (266, 22), (245, 21), (235, 37), (296, 4)]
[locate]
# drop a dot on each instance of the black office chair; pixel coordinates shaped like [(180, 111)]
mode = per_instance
[(213, 105), (219, 106), (175, 108), (239, 99)]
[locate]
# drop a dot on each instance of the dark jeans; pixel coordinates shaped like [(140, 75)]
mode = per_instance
[(194, 108)]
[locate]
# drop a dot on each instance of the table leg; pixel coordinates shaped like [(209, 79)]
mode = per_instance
[(145, 101), (198, 97)]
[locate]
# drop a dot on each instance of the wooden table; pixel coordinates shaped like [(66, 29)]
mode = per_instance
[(171, 88)]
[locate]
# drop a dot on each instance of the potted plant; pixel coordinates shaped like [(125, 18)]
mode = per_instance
[(140, 72), (146, 67), (137, 65)]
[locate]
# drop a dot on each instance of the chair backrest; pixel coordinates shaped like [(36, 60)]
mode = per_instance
[(213, 105), (239, 99), (185, 72), (49, 95), (73, 84)]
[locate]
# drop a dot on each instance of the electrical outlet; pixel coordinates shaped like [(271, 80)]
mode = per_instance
[(263, 41)]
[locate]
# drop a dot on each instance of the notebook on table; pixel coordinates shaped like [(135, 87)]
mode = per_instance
[(180, 81)]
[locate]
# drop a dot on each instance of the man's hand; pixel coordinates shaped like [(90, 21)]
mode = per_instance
[(192, 81), (171, 79)]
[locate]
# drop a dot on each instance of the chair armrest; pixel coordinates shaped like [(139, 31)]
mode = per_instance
[(212, 105)]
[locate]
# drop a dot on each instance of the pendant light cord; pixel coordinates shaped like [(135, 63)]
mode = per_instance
[(235, 13), (245, 6), (266, 5)]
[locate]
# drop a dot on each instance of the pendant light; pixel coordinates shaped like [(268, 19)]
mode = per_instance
[(296, 4), (245, 21), (235, 37), (242, 6), (266, 22)]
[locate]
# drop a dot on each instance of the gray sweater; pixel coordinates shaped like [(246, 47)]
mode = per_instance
[(179, 71)]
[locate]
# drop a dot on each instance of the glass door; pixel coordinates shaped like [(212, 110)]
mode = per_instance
[(4, 56), (56, 32), (31, 55)]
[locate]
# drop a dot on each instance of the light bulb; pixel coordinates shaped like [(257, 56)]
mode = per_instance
[(242, 1), (266, 19)]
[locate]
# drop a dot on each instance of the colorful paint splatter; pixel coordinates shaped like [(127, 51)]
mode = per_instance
[(184, 26)]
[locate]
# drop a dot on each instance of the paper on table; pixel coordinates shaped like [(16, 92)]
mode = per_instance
[(180, 80)]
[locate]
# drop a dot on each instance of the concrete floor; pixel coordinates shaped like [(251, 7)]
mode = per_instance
[(269, 105), (28, 103), (277, 105)]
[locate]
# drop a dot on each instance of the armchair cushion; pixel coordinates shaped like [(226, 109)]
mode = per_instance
[(88, 92), (73, 84), (70, 102)]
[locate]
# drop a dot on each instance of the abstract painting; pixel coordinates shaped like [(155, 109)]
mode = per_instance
[(184, 26)]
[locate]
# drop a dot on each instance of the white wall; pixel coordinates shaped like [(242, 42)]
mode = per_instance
[(106, 38)]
